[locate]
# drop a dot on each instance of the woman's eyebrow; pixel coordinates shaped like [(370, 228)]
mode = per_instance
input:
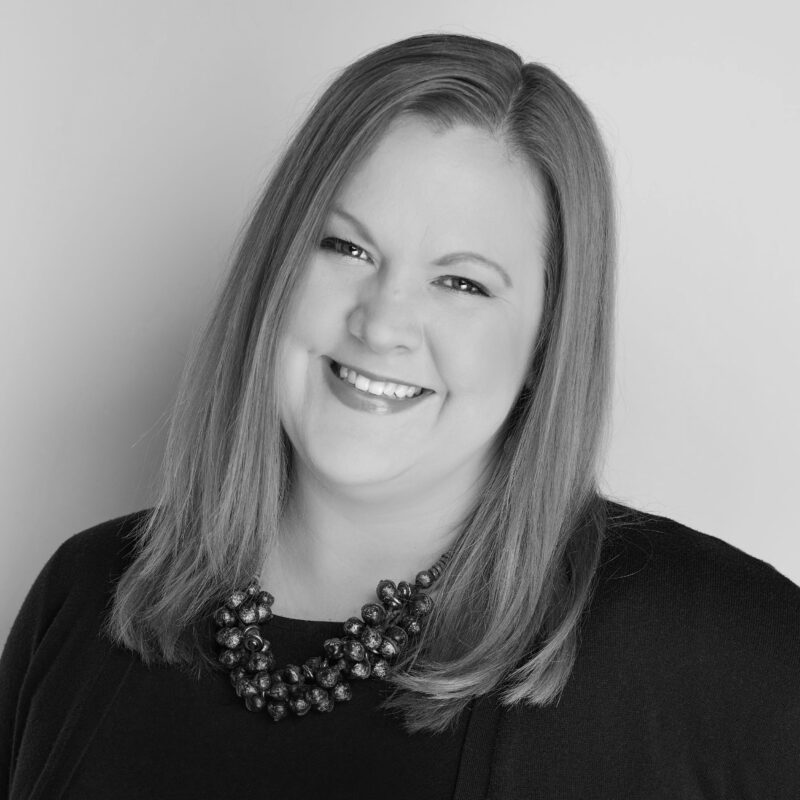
[(443, 261), (362, 231)]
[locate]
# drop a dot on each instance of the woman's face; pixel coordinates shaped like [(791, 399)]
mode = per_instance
[(391, 301)]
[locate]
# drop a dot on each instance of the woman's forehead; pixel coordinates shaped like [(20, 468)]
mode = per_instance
[(459, 181)]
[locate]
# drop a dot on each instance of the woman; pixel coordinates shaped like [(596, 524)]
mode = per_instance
[(404, 386)]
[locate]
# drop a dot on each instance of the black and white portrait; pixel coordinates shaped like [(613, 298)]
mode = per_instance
[(400, 400)]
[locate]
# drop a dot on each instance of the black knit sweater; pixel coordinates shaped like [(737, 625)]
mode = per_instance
[(686, 685)]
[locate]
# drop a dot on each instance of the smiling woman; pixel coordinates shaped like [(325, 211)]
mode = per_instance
[(398, 313), (379, 499)]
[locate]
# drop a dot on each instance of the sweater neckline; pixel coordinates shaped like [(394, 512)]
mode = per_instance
[(293, 624)]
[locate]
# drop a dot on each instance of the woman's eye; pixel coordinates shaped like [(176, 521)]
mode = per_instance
[(350, 249), (463, 285), (343, 247)]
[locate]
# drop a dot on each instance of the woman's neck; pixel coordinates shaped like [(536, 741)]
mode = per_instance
[(335, 546)]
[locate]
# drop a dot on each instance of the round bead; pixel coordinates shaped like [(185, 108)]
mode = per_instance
[(262, 680), (247, 613), (386, 591), (398, 634), (230, 637), (333, 647), (380, 669), (360, 670), (263, 612), (424, 579), (342, 692), (299, 706), (246, 688), (236, 674), (229, 658), (354, 650), (265, 597), (340, 664), (235, 599), (252, 588), (371, 638), (277, 710), (255, 702), (327, 677), (389, 648), (354, 626), (325, 705), (411, 625), (421, 604), (373, 614), (278, 690), (316, 695), (224, 617), (404, 590), (260, 661), (292, 673), (435, 571)]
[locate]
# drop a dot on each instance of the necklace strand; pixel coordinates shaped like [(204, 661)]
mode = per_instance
[(368, 647)]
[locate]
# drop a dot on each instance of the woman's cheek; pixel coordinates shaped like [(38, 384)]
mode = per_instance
[(323, 314), (488, 361)]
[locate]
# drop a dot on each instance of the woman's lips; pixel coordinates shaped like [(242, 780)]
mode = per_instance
[(360, 400), (373, 377)]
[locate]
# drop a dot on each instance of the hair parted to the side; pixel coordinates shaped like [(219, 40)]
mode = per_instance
[(523, 568)]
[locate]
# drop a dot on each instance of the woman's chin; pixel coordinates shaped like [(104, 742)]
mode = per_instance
[(356, 469), (338, 461)]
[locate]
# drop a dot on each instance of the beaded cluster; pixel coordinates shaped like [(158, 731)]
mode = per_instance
[(367, 649)]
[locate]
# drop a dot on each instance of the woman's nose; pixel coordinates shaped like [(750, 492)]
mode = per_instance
[(387, 317)]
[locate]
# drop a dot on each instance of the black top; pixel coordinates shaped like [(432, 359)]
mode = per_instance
[(354, 751), (686, 685)]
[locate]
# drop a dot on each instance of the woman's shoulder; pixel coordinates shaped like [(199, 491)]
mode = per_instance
[(680, 577), (686, 669), (76, 582), (54, 651), (636, 538), (70, 595), (96, 554)]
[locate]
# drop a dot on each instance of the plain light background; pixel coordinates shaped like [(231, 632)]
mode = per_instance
[(136, 135)]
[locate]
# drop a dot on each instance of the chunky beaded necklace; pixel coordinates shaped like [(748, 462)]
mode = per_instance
[(367, 648)]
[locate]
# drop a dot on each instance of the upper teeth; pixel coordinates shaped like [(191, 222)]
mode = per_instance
[(386, 388)]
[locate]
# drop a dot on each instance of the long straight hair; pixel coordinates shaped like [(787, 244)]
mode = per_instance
[(531, 545)]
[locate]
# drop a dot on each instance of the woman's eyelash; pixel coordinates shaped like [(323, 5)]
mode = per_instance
[(471, 286), (345, 247), (342, 246)]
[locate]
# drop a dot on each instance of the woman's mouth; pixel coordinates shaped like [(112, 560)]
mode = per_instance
[(371, 393), (373, 386)]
